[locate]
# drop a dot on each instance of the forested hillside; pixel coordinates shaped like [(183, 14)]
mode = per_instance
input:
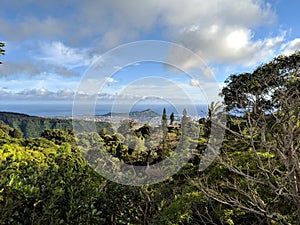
[(33, 126)]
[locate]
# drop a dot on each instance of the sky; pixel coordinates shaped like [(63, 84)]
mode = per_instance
[(51, 47)]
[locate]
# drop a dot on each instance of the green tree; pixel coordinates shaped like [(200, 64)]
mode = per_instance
[(256, 91), (46, 184), (258, 171), (164, 122), (184, 112), (213, 109), (164, 116), (172, 117), (144, 131), (126, 127), (16, 133), (2, 51), (121, 204), (60, 136), (184, 118)]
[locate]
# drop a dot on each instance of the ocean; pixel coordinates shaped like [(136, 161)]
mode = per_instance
[(64, 109)]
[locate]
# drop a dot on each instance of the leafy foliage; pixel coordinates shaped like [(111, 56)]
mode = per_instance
[(43, 183)]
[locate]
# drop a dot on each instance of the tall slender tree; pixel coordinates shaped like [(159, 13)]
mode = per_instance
[(164, 116), (184, 112), (172, 117), (164, 122), (184, 116)]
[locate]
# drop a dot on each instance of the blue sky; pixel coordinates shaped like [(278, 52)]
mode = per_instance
[(51, 44)]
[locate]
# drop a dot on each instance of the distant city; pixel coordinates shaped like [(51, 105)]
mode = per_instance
[(140, 117)]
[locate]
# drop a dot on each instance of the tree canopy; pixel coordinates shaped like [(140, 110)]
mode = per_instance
[(259, 161), (259, 90)]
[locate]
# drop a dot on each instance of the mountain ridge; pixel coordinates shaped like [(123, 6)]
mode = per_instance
[(144, 113), (33, 126)]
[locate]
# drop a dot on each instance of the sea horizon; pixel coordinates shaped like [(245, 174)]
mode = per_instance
[(59, 109)]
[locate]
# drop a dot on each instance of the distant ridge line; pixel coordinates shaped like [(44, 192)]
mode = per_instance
[(147, 112)]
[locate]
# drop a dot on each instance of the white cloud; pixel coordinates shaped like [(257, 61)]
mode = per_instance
[(12, 68), (238, 39), (32, 69), (29, 27), (194, 82), (116, 21), (214, 29), (219, 31), (59, 54), (229, 45), (291, 47), (195, 91), (37, 94), (66, 93), (110, 80)]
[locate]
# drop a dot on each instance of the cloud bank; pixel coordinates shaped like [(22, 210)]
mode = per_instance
[(62, 38)]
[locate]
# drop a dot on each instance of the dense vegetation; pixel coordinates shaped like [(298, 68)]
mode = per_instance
[(254, 180), (33, 126)]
